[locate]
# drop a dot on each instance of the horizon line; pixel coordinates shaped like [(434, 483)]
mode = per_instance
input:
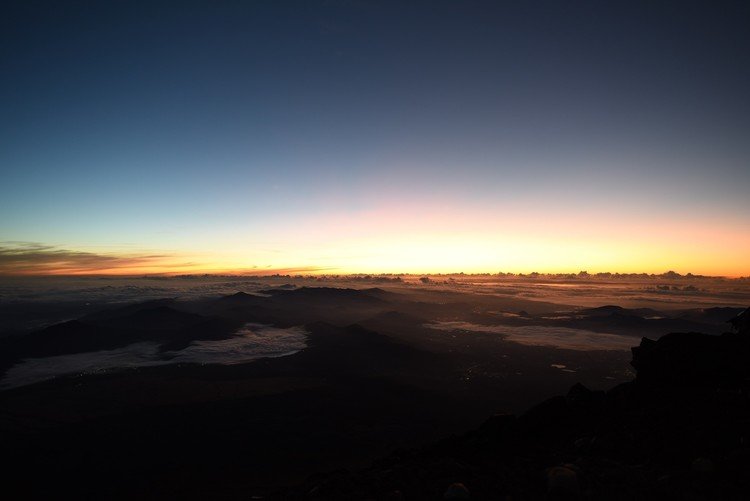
[(393, 275)]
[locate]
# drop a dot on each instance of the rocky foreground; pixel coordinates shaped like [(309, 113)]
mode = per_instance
[(680, 430)]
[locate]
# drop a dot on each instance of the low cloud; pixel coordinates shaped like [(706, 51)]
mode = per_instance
[(548, 337)]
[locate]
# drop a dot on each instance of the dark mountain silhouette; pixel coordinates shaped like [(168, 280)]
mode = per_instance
[(240, 298), (68, 337), (716, 315), (206, 328), (150, 321), (161, 322), (617, 310), (639, 321), (156, 318), (378, 292), (287, 307)]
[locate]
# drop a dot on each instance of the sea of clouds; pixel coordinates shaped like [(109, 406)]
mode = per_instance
[(251, 342)]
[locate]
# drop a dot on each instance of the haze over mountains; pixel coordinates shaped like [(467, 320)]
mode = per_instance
[(417, 312)]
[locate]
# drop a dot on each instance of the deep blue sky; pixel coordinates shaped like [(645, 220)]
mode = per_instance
[(190, 126)]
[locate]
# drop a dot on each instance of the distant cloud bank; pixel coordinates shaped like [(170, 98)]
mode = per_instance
[(33, 258), (30, 258)]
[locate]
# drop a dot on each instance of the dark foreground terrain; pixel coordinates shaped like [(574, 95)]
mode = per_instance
[(246, 395), (680, 430)]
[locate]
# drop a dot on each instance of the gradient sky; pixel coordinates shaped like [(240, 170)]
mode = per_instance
[(358, 136)]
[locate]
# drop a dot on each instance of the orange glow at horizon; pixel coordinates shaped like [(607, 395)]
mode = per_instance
[(420, 238), (431, 253)]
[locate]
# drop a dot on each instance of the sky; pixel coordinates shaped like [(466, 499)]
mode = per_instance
[(359, 136)]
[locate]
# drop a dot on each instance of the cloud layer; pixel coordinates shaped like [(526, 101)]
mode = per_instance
[(30, 258)]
